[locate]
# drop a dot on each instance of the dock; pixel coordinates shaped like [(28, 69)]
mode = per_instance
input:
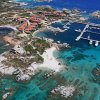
[(82, 32), (92, 32), (86, 29)]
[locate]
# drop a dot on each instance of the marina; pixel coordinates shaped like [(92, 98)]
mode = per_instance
[(85, 30)]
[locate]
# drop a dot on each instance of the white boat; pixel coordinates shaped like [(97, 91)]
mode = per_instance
[(90, 42), (96, 43), (58, 41), (67, 27), (78, 30), (78, 38), (89, 37)]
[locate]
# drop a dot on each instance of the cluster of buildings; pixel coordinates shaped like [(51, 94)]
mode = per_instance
[(29, 24), (32, 23), (52, 13)]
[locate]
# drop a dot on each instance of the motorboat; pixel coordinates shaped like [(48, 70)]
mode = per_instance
[(96, 43), (90, 42), (58, 41), (78, 30), (78, 38)]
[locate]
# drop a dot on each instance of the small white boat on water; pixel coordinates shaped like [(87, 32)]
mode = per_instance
[(78, 38), (58, 42), (78, 30), (96, 43), (90, 42)]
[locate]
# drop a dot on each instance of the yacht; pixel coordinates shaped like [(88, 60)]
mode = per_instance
[(58, 41), (78, 38), (90, 42), (96, 43), (78, 30)]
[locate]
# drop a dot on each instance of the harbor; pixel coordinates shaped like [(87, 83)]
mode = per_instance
[(86, 29)]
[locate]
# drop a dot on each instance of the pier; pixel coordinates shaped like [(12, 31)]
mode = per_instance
[(82, 32), (92, 32), (86, 29), (89, 39)]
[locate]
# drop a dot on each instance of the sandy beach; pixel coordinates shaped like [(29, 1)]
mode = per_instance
[(50, 61)]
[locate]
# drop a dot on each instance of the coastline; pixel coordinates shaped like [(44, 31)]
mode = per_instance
[(43, 28), (9, 26), (50, 62)]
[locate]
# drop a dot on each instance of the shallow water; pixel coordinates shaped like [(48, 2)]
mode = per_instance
[(81, 59)]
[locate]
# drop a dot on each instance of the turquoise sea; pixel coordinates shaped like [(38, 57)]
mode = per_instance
[(80, 60)]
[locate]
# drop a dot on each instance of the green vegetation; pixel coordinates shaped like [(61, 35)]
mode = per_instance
[(29, 50), (39, 25), (16, 62), (39, 59), (25, 14), (41, 45), (33, 49), (43, 8)]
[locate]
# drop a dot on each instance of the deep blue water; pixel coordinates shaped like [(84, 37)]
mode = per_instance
[(88, 5), (81, 59)]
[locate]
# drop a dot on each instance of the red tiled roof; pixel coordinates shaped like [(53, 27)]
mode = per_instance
[(22, 26), (34, 19), (20, 19)]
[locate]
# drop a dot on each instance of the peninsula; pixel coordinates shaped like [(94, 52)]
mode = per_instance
[(31, 53)]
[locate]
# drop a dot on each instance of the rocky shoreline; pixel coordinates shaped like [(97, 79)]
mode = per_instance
[(96, 14)]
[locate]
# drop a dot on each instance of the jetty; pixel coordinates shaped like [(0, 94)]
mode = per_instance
[(55, 29), (82, 32), (66, 25), (85, 30)]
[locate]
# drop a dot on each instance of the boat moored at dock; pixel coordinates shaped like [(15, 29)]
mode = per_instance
[(87, 30)]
